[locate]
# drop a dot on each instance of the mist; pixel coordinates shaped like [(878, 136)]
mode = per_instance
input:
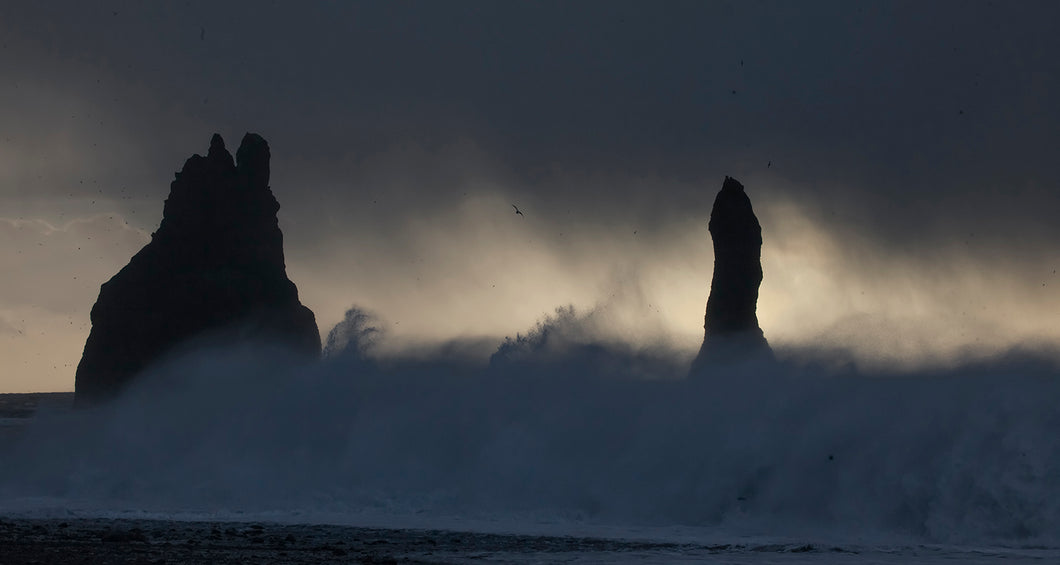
[(559, 432), (491, 371), (463, 266), (899, 156)]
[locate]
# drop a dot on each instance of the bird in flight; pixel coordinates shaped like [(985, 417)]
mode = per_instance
[(769, 164), (517, 211)]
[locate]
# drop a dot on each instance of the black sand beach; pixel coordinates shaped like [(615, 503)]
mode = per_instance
[(95, 541)]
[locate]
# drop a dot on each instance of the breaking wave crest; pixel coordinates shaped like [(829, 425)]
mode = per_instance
[(557, 429)]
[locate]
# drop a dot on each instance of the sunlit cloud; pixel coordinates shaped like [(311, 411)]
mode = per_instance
[(908, 214)]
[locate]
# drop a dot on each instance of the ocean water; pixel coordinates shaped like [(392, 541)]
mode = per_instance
[(575, 439)]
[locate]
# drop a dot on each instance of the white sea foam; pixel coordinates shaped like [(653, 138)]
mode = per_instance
[(563, 435)]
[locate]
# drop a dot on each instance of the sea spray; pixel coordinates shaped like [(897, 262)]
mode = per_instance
[(969, 454)]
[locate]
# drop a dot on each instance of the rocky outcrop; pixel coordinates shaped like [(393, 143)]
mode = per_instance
[(214, 269), (731, 322)]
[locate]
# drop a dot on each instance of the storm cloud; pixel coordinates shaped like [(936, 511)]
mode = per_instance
[(899, 154)]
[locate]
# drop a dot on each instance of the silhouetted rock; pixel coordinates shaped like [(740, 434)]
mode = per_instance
[(731, 325), (214, 269)]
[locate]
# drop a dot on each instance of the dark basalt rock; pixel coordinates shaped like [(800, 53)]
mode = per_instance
[(731, 324), (213, 270)]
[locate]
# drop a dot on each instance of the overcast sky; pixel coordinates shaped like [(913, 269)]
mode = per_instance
[(901, 156)]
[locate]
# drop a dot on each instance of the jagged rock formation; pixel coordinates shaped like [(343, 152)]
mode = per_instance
[(731, 324), (215, 267)]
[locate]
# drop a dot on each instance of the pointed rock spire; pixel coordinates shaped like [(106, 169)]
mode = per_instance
[(215, 268), (217, 146), (731, 322)]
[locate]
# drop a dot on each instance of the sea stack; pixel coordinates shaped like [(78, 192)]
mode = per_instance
[(214, 270), (731, 323)]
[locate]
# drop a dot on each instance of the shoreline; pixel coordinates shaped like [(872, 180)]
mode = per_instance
[(85, 541), (144, 541)]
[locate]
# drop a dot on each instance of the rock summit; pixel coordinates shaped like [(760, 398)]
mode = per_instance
[(731, 322), (213, 269)]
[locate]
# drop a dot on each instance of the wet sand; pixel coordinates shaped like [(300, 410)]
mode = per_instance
[(158, 542), (95, 541)]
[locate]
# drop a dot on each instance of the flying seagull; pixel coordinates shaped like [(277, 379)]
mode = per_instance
[(517, 211)]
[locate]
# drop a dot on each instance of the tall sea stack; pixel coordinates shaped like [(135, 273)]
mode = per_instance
[(215, 268), (731, 325)]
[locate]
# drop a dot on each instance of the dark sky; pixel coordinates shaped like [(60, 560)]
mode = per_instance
[(912, 146)]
